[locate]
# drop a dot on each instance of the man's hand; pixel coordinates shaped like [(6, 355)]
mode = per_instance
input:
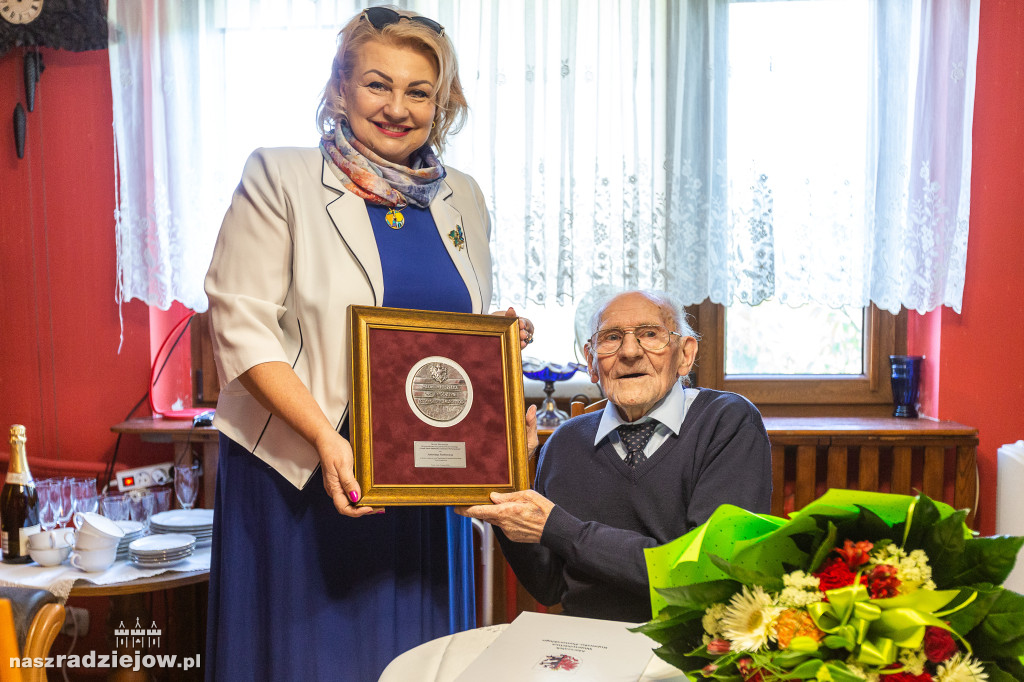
[(532, 441), (521, 515)]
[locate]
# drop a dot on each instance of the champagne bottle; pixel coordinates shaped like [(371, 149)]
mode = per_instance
[(19, 507)]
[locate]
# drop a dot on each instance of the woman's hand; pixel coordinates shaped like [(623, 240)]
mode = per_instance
[(277, 388), (336, 466), (525, 327)]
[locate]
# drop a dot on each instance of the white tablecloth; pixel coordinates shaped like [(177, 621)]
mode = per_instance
[(60, 579), (443, 659)]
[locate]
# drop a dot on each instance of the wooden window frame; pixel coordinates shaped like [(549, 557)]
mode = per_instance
[(867, 394), (205, 384)]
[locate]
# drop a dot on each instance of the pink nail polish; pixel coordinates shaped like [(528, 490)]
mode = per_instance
[(380, 511), (354, 496)]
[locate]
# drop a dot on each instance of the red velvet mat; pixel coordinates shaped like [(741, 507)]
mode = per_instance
[(395, 428)]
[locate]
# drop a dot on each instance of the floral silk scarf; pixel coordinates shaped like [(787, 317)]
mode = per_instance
[(379, 181)]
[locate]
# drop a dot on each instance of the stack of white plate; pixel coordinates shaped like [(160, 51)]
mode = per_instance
[(133, 530), (195, 522), (161, 551)]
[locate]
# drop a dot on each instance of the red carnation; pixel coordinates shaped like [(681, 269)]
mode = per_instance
[(717, 647), (882, 582), (939, 644), (855, 554), (834, 573)]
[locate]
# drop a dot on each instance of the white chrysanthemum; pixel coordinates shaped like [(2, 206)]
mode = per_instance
[(913, 570), (913, 660), (861, 673), (800, 590), (749, 620), (804, 581), (961, 668), (712, 620)]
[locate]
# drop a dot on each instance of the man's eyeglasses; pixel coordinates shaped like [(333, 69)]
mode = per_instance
[(650, 337), (379, 17)]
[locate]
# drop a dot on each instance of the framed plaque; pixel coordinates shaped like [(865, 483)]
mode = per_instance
[(437, 410)]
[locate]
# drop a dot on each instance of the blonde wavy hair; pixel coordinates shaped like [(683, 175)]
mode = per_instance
[(448, 95)]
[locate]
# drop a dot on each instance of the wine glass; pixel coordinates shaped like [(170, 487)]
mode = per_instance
[(84, 497), (140, 505), (115, 507), (162, 495), (65, 508), (48, 494), (186, 484)]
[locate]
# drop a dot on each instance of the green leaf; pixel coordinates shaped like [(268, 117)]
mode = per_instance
[(1013, 666), (984, 560), (1000, 634), (771, 583), (944, 544), (669, 629), (700, 595), (804, 671), (925, 515), (840, 673), (996, 673), (871, 526), (826, 546), (966, 619)]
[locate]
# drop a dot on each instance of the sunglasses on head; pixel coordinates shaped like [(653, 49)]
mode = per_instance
[(379, 17)]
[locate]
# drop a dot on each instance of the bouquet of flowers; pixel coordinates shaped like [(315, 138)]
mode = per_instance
[(855, 586)]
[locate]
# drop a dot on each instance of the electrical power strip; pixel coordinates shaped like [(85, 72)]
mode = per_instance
[(144, 477)]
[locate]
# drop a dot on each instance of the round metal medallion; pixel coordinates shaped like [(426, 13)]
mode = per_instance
[(439, 391)]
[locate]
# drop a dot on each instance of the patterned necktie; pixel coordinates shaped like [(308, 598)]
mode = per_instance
[(635, 438)]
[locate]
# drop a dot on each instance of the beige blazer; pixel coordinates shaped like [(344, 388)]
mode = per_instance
[(294, 251)]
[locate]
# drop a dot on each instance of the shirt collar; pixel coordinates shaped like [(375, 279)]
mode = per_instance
[(669, 411)]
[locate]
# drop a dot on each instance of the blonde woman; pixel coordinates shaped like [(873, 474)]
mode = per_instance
[(304, 583)]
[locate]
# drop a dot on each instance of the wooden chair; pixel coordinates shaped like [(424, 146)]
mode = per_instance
[(578, 407), (37, 617)]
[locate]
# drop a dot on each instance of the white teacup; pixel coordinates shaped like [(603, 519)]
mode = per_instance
[(91, 523), (90, 541), (50, 556), (50, 539), (93, 560)]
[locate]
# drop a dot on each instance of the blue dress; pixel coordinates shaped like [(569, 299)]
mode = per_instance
[(300, 592)]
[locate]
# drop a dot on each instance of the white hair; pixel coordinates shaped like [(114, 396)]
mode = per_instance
[(666, 302)]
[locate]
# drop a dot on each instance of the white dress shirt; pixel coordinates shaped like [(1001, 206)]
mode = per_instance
[(669, 412)]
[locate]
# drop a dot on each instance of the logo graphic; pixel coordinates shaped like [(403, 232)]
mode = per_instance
[(137, 636), (559, 662)]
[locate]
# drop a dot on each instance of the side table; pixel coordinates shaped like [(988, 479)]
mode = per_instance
[(182, 434)]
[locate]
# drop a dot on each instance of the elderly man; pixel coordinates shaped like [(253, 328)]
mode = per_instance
[(656, 462)]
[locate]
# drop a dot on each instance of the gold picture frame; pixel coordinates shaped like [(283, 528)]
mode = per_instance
[(437, 409)]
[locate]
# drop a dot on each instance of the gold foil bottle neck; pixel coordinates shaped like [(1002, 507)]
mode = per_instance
[(17, 433), (19, 463)]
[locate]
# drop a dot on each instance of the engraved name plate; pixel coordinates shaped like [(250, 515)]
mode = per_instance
[(432, 454), (439, 391)]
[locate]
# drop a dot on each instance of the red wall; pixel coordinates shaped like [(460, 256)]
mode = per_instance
[(978, 379), (62, 376), (60, 370)]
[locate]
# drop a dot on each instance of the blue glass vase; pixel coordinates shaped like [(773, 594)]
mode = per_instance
[(906, 383), (549, 416)]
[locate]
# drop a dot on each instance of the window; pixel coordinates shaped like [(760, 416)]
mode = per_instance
[(608, 156), (866, 392)]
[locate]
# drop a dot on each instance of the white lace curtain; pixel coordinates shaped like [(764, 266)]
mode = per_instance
[(598, 133)]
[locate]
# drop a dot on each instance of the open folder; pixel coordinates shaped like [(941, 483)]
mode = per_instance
[(540, 646)]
